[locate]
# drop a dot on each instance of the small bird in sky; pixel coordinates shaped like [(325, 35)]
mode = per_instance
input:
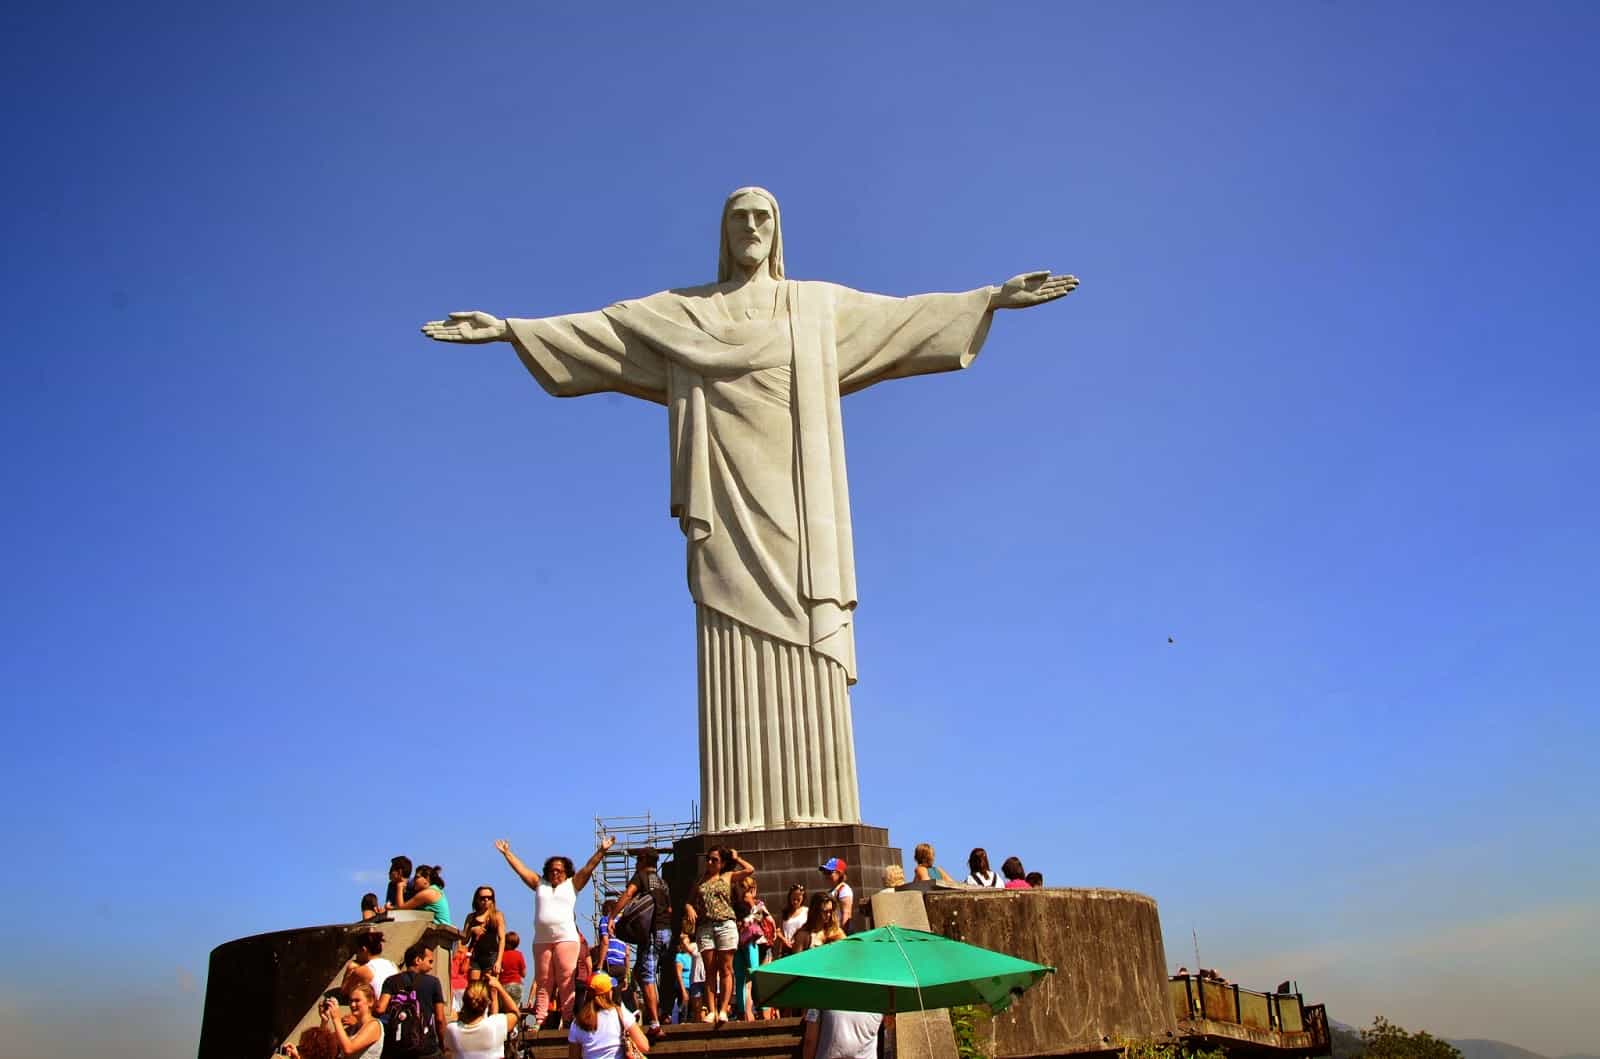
[(1171, 640)]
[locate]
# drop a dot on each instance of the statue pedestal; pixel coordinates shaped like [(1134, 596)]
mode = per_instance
[(783, 856)]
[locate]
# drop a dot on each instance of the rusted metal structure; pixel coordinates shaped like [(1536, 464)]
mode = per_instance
[(1245, 1022)]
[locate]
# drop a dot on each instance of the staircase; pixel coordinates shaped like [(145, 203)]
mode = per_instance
[(769, 1039)]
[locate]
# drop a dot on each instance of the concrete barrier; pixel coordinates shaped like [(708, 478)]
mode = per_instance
[(1110, 981), (262, 991)]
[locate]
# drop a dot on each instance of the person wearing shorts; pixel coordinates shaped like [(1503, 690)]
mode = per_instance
[(485, 933), (655, 952), (513, 967), (718, 930)]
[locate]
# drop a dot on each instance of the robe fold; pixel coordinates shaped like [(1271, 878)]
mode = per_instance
[(760, 493)]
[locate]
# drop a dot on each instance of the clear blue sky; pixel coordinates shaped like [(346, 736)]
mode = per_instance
[(289, 589)]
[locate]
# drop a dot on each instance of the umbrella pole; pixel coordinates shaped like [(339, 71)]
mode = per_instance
[(890, 1043)]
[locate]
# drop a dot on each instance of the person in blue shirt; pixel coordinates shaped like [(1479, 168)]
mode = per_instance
[(613, 950)]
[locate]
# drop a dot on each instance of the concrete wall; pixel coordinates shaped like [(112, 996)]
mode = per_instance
[(1110, 981), (262, 991), (918, 1034)]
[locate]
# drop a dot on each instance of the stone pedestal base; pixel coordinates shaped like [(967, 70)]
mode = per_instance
[(783, 856)]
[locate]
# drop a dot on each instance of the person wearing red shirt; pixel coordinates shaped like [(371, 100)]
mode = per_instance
[(459, 961), (513, 968)]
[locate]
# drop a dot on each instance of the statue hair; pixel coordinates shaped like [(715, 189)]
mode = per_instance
[(725, 255)]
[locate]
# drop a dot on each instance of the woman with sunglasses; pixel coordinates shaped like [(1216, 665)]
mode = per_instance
[(485, 930), (822, 925), (717, 928), (556, 941), (428, 894)]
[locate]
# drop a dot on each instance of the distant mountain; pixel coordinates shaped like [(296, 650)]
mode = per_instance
[(1480, 1049), (1347, 1045), (1493, 1050), (1346, 1040)]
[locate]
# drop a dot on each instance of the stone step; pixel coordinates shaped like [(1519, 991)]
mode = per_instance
[(766, 1039)]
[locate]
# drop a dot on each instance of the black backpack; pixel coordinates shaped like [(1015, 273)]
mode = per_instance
[(631, 923), (635, 921), (411, 1030)]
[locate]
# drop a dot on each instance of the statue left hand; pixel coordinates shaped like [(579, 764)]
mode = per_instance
[(1032, 288), (467, 327)]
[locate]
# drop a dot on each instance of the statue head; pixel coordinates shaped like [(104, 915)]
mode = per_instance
[(752, 232)]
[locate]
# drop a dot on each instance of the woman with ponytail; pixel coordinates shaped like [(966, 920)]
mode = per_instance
[(603, 1028)]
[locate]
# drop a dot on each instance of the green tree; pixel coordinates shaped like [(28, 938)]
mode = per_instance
[(1385, 1040), (968, 1022), (1134, 1048)]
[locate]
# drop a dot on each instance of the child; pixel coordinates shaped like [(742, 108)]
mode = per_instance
[(697, 984), (513, 967), (684, 960), (613, 951), (459, 961)]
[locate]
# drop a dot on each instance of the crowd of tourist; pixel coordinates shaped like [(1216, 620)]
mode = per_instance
[(651, 964)]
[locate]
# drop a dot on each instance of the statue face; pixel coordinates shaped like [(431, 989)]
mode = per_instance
[(750, 225)]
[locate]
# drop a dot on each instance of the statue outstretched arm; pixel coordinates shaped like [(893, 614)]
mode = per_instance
[(468, 327), (1029, 289), (569, 355)]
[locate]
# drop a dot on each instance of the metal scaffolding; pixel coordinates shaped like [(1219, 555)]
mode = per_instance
[(633, 833)]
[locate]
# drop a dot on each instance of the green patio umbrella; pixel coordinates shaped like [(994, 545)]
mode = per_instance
[(893, 969)]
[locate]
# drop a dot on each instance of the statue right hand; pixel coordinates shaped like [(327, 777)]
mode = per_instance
[(467, 327)]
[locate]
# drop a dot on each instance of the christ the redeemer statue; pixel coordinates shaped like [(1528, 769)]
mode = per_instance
[(751, 369)]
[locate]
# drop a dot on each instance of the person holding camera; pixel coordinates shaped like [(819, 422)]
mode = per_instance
[(364, 1037)]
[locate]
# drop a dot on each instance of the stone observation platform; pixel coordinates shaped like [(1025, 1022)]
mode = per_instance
[(1110, 983)]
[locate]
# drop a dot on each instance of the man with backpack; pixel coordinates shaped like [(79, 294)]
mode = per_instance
[(644, 918), (412, 1008)]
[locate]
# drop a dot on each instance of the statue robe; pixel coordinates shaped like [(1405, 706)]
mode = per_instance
[(759, 491)]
